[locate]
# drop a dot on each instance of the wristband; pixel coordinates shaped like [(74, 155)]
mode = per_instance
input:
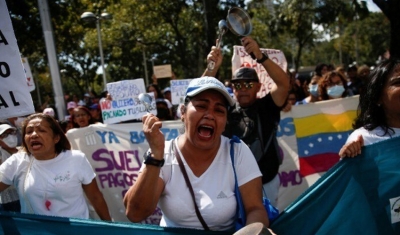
[(149, 160), (264, 58)]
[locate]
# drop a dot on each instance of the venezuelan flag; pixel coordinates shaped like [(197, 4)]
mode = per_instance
[(321, 130)]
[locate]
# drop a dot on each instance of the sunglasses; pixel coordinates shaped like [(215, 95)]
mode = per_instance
[(6, 134), (238, 85)]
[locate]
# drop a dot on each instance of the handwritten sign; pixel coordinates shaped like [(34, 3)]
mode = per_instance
[(178, 90), (162, 71), (15, 98), (126, 88), (128, 108), (240, 59)]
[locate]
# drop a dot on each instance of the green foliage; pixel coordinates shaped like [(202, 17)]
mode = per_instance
[(181, 33)]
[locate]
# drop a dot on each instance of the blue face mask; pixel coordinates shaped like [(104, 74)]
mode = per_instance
[(336, 91), (313, 90)]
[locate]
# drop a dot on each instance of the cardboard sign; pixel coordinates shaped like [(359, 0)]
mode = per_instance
[(162, 71)]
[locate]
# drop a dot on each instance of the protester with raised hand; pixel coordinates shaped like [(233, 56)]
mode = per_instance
[(378, 117), (205, 156), (51, 179), (255, 120)]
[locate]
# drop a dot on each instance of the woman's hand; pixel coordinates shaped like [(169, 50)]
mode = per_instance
[(353, 148), (154, 136)]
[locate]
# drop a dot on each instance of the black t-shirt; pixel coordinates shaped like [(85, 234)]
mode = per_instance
[(244, 124)]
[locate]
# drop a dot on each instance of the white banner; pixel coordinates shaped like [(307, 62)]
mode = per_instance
[(240, 59), (115, 151), (126, 88), (15, 98)]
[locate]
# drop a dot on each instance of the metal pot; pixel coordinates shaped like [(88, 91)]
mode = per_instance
[(239, 21)]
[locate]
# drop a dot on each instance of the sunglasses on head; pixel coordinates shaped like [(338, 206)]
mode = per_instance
[(238, 85)]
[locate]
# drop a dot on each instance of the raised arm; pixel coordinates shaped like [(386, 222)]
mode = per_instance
[(141, 199), (216, 56), (280, 90)]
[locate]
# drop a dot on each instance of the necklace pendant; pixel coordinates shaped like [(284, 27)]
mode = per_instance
[(47, 203)]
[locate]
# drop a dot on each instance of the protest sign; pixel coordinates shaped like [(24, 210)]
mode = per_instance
[(128, 108), (126, 88), (240, 59), (15, 98), (162, 71), (178, 90), (28, 72)]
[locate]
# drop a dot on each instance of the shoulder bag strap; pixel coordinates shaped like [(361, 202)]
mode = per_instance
[(238, 196), (178, 157), (261, 136)]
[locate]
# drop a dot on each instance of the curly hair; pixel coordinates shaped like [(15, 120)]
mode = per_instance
[(60, 146), (326, 81), (370, 111)]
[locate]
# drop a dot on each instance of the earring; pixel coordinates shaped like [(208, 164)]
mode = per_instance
[(379, 105)]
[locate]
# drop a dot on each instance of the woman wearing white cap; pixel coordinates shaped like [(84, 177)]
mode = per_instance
[(9, 199), (205, 156)]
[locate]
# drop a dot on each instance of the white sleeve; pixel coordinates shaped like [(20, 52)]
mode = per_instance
[(86, 171), (8, 169)]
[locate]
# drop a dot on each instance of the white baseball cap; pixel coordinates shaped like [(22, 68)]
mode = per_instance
[(198, 85), (4, 127)]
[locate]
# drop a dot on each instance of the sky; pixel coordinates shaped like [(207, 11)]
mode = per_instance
[(372, 6)]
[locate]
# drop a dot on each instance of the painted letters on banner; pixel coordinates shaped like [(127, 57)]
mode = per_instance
[(15, 99), (115, 151)]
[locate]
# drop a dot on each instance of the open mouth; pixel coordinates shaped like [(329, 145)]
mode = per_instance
[(36, 145), (205, 131)]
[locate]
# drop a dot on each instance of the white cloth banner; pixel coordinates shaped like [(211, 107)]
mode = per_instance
[(115, 152), (15, 99)]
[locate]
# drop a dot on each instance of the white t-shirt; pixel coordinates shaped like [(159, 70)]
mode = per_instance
[(51, 187), (373, 136), (214, 190)]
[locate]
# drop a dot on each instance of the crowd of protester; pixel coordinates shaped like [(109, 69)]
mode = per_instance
[(326, 82)]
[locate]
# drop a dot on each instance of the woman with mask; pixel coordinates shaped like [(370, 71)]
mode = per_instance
[(312, 89), (9, 200), (51, 179), (332, 86)]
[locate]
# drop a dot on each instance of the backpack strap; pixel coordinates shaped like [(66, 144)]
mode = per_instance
[(241, 212)]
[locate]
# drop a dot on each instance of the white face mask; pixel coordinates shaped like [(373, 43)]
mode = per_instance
[(18, 122), (335, 91), (313, 90), (11, 141)]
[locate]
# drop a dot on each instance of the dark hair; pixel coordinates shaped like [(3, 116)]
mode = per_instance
[(319, 68), (61, 145), (369, 111), (159, 94), (326, 81), (87, 111)]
